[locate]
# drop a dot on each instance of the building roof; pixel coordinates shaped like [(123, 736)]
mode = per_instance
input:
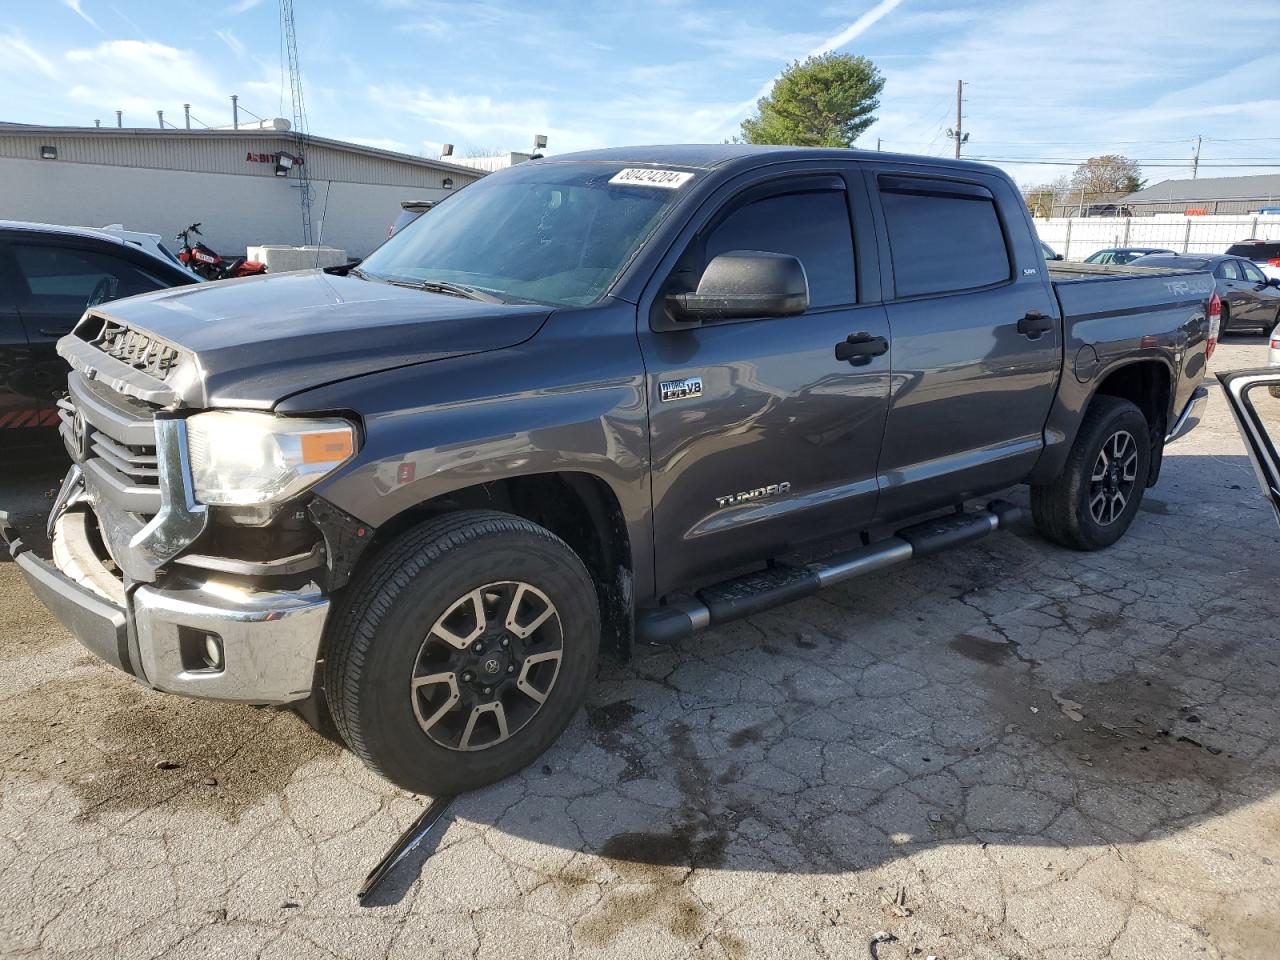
[(1263, 187), (21, 129)]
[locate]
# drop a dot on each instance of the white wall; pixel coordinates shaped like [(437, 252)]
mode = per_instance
[(1077, 237), (235, 211)]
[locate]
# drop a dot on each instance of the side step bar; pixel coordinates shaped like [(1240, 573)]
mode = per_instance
[(752, 593)]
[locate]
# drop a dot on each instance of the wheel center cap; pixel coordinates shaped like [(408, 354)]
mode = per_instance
[(490, 666)]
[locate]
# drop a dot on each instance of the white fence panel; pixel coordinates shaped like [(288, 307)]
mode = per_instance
[(1077, 237)]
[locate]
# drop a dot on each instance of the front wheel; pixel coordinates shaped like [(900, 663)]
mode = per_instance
[(1092, 502), (462, 652)]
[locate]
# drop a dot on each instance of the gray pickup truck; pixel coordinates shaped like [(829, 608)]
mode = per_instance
[(590, 402)]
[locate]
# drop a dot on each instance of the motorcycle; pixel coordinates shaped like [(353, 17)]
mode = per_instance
[(198, 258)]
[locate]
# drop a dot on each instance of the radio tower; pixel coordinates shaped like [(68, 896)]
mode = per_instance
[(290, 36)]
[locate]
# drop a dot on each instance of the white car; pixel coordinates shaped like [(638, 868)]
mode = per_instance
[(1265, 254), (150, 242)]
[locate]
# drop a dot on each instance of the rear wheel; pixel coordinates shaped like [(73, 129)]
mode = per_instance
[(1224, 324), (462, 652), (1095, 498)]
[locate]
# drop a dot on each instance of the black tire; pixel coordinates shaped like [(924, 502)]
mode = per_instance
[(382, 629), (1224, 321), (1064, 509)]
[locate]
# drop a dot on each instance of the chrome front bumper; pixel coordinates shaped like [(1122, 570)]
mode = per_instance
[(1190, 416), (270, 640)]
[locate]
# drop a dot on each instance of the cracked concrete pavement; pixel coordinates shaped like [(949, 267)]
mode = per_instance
[(1010, 750)]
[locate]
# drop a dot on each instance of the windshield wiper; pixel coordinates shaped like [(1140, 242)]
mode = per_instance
[(455, 290), (432, 286)]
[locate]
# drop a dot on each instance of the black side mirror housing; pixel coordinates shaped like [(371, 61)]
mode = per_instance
[(743, 284), (1273, 281)]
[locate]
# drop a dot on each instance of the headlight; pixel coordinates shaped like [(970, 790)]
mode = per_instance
[(244, 459)]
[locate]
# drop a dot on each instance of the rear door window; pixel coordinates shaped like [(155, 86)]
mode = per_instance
[(1227, 270), (813, 227), (943, 235)]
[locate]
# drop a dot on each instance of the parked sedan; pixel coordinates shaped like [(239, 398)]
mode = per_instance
[(1250, 300), (48, 276), (1122, 255)]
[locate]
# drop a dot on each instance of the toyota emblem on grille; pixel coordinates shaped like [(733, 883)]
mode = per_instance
[(80, 436)]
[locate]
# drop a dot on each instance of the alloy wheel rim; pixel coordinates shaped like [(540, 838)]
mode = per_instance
[(487, 665), (1115, 472)]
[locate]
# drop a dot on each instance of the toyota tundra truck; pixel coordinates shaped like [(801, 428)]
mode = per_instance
[(590, 403)]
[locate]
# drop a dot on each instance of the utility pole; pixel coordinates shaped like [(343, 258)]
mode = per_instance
[(235, 111), (1195, 159), (958, 134), (877, 144), (959, 115), (119, 118), (160, 117), (186, 113)]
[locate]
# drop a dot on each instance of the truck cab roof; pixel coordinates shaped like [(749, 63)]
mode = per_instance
[(708, 156)]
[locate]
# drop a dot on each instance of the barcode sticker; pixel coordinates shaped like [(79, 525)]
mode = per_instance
[(647, 177)]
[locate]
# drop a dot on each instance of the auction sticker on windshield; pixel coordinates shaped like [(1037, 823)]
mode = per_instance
[(646, 177)]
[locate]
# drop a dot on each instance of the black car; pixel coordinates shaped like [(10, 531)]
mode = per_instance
[(48, 276), (1249, 299), (1123, 255)]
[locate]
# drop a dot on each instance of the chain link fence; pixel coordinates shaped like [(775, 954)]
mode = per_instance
[(1078, 237)]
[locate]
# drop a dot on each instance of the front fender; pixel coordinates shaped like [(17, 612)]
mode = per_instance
[(571, 400)]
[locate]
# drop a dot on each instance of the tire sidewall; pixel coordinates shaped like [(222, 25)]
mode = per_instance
[(384, 710), (1128, 418)]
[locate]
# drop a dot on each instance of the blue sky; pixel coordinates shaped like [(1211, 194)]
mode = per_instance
[(1046, 80)]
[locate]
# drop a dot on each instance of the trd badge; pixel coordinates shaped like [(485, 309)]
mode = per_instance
[(686, 389)]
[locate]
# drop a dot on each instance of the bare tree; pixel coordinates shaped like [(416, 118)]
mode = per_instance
[(1110, 173)]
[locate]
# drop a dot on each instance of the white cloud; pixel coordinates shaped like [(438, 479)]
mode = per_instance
[(1044, 85), (74, 6), (243, 6), (139, 76), (834, 42), (17, 55), (234, 43)]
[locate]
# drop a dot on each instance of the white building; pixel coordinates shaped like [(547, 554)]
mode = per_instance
[(158, 181)]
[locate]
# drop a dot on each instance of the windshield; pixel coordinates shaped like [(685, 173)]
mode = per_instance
[(554, 233)]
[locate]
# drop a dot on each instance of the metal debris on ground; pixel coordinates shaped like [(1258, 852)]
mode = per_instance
[(407, 842), (880, 936)]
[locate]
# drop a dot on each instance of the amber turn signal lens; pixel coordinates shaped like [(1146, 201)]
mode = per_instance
[(330, 447)]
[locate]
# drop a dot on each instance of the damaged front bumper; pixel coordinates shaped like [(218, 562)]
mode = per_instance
[(196, 635)]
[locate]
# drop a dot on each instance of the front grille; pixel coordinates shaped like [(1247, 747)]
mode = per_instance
[(107, 433), (138, 349)]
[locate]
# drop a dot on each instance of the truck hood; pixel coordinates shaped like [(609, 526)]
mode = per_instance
[(258, 340)]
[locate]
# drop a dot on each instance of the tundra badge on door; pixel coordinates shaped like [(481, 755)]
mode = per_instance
[(686, 389), (759, 493)]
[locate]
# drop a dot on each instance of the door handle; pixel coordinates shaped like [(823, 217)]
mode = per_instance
[(859, 348), (1034, 324)]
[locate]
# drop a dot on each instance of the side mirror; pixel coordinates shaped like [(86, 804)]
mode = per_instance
[(1273, 282), (1254, 398), (744, 284), (1059, 256)]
